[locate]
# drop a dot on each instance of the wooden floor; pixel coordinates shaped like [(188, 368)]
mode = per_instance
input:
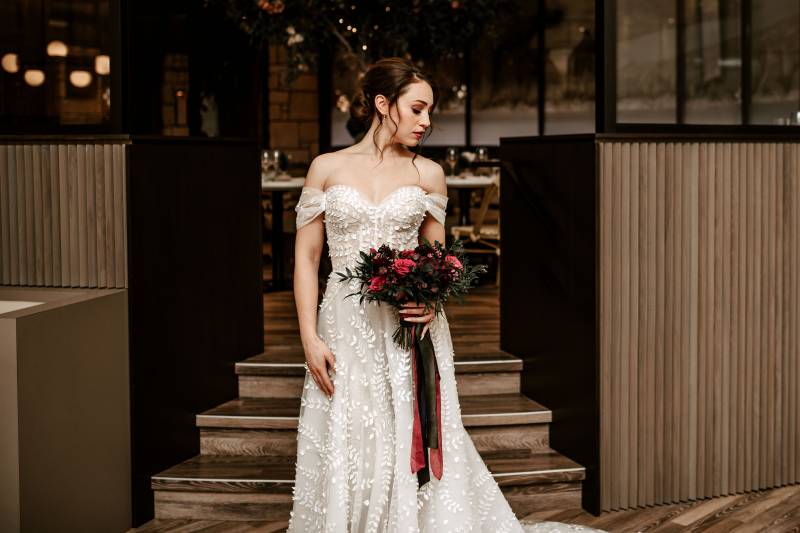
[(776, 510)]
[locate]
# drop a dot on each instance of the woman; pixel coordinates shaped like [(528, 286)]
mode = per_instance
[(354, 435)]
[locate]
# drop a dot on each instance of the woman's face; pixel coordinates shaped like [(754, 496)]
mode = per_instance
[(412, 114)]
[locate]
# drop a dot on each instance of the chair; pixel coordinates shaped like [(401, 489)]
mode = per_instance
[(478, 237)]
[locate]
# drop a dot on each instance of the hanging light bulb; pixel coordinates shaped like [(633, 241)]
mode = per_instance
[(102, 65), (57, 49), (10, 63), (34, 77), (80, 78)]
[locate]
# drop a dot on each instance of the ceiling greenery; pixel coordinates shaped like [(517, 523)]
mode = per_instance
[(364, 30)]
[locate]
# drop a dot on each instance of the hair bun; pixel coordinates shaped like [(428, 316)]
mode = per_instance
[(361, 107)]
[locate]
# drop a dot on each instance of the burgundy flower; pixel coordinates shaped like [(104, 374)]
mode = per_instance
[(403, 266), (454, 262), (376, 283)]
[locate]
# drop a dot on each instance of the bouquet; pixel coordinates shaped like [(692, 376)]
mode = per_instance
[(429, 274)]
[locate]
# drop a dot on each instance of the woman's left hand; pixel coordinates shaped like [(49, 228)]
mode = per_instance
[(414, 312)]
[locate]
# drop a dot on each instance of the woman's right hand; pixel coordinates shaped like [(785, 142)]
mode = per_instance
[(318, 358)]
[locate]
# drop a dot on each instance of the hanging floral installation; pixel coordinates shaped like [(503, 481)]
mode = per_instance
[(365, 30)]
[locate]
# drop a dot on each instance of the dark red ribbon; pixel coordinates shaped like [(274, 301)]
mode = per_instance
[(418, 460)]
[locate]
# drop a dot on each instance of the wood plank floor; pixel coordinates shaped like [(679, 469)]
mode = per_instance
[(773, 511)]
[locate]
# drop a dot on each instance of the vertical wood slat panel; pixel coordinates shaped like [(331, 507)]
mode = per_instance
[(606, 314), (63, 201), (13, 205), (55, 215), (63, 215), (699, 297), (46, 217), (27, 215), (37, 215), (100, 215), (5, 218), (791, 233), (108, 229), (121, 218)]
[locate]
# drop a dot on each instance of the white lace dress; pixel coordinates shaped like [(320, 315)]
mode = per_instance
[(353, 451)]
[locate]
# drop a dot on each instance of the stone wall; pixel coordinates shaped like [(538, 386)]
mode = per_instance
[(293, 111)]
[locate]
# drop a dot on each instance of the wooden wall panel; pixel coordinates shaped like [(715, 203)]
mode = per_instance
[(62, 215), (698, 319)]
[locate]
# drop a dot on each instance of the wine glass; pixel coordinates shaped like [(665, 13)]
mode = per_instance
[(481, 154), (451, 157), (269, 164)]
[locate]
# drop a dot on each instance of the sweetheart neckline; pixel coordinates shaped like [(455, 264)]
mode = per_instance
[(366, 200)]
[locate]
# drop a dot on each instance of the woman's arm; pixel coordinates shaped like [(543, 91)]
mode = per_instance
[(309, 242)]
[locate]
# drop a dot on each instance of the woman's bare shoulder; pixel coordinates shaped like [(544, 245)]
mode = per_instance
[(321, 167), (433, 179)]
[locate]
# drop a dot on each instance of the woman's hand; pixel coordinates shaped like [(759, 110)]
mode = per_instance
[(414, 312), (318, 358)]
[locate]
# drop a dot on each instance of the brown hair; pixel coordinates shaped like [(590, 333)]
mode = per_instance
[(389, 76)]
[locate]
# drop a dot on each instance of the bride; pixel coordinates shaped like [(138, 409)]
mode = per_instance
[(354, 445)]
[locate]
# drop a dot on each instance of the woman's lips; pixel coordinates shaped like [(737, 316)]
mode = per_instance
[(418, 135)]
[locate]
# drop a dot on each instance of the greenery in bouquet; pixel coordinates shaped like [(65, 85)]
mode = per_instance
[(428, 274)]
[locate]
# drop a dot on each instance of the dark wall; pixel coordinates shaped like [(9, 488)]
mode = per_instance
[(548, 212), (195, 294), (220, 60)]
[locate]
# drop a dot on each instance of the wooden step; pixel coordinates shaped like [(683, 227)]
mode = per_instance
[(279, 374), (186, 525), (504, 425), (259, 488), (288, 361)]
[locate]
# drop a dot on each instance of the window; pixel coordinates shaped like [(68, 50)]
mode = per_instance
[(570, 68), (646, 61), (686, 62), (775, 72), (504, 79), (56, 65)]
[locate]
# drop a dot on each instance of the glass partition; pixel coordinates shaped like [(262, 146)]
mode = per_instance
[(646, 61), (570, 67), (712, 62), (775, 72), (56, 64), (688, 62), (504, 81)]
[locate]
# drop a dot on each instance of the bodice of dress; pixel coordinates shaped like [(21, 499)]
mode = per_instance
[(354, 224)]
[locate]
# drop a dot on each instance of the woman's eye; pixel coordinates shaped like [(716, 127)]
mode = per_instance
[(417, 111)]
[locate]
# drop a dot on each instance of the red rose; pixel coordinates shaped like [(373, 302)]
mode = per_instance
[(376, 283), (403, 266), (454, 262)]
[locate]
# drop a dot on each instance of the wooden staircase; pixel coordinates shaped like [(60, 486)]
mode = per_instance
[(245, 468)]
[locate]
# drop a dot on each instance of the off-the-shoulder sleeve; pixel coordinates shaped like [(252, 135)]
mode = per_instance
[(310, 204), (436, 204)]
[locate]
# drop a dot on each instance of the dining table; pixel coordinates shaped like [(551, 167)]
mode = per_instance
[(465, 183), (275, 190)]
